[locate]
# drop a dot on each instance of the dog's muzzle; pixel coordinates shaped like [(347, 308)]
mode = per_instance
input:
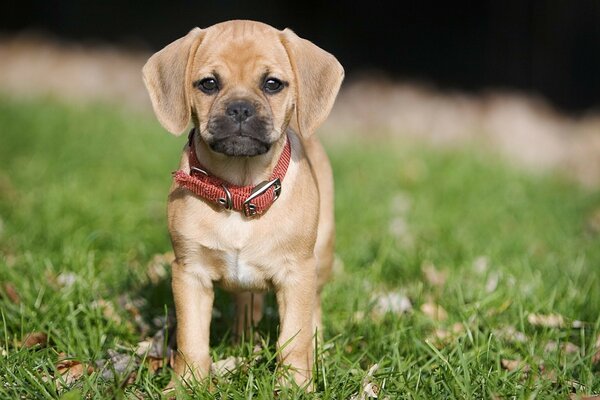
[(240, 131)]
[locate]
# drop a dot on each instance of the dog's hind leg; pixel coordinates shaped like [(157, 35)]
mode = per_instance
[(248, 313)]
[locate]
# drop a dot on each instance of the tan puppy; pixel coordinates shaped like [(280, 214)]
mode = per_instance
[(248, 88)]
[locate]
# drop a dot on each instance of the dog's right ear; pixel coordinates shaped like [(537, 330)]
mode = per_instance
[(167, 79)]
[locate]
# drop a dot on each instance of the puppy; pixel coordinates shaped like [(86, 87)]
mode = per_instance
[(251, 206)]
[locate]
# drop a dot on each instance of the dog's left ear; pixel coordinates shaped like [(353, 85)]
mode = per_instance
[(167, 79), (318, 78)]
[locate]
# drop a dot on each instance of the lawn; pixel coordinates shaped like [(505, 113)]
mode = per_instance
[(459, 276)]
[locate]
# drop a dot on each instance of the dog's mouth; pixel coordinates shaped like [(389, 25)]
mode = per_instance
[(239, 146)]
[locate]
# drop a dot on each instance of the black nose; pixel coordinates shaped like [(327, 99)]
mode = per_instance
[(240, 110)]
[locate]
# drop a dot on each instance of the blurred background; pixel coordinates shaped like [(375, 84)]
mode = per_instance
[(520, 76)]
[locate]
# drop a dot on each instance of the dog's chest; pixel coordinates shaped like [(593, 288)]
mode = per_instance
[(239, 273), (243, 258)]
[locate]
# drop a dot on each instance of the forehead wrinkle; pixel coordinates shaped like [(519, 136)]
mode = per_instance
[(242, 53)]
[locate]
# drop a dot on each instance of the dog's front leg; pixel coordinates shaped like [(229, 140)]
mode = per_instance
[(296, 302), (193, 296)]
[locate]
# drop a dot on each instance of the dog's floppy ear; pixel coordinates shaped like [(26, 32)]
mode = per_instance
[(167, 79), (318, 78)]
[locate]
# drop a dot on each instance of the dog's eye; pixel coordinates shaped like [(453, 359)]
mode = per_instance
[(272, 85), (207, 85)]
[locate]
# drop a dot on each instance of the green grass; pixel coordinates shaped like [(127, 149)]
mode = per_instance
[(83, 191)]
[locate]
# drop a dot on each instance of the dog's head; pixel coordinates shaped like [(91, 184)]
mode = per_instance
[(242, 83)]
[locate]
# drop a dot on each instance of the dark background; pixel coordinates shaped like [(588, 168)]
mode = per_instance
[(550, 48)]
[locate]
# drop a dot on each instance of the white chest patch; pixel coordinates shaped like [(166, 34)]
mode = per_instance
[(240, 274)]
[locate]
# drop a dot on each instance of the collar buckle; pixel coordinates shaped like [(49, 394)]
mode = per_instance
[(227, 201), (248, 207)]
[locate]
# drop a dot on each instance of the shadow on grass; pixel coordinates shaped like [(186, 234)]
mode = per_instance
[(159, 306)]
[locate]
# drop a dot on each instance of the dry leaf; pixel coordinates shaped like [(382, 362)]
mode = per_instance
[(492, 282), (71, 374), (157, 267), (548, 321), (593, 223), (442, 337), (228, 365), (433, 275), (11, 293), (575, 396), (369, 390), (510, 334), (596, 356), (390, 302), (358, 316), (398, 227), (400, 203), (34, 339), (155, 347), (154, 364), (69, 371), (480, 265), (565, 347), (151, 352), (577, 324), (513, 365), (130, 380), (115, 364), (66, 279), (434, 311), (108, 310), (133, 307), (439, 338)]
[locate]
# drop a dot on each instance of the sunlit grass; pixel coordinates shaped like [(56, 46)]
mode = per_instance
[(83, 194)]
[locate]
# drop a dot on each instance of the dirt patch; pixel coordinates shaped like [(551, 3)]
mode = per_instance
[(523, 128)]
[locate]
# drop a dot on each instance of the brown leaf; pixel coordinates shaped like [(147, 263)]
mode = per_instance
[(480, 264), (513, 365), (548, 321), (593, 223), (130, 379), (565, 347), (596, 356), (155, 346), (70, 371), (577, 324), (434, 276), (510, 334), (116, 363), (11, 293), (154, 364), (157, 267), (358, 316), (390, 302), (370, 390), (492, 282), (71, 374), (132, 306), (575, 396), (34, 339), (108, 310), (225, 366), (434, 311), (66, 279), (440, 338)]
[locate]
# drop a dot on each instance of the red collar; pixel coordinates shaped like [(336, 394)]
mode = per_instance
[(251, 200)]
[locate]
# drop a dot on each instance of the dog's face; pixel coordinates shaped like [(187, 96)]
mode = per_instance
[(243, 95), (242, 83)]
